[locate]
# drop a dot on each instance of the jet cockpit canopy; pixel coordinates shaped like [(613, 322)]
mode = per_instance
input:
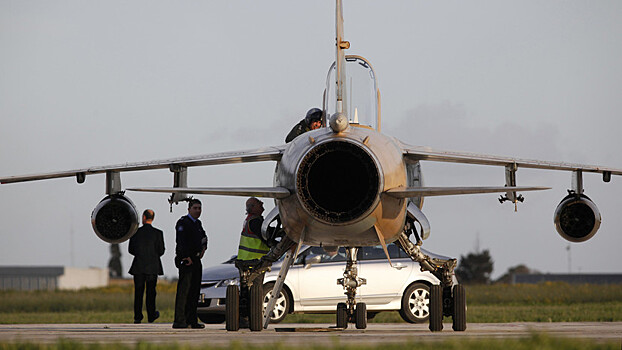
[(361, 98)]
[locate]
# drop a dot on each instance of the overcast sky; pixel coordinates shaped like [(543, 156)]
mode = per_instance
[(87, 83)]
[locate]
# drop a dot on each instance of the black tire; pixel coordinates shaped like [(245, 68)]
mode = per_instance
[(416, 303), (436, 308), (361, 316), (232, 308), (282, 306), (342, 315), (459, 312), (211, 318), (255, 307)]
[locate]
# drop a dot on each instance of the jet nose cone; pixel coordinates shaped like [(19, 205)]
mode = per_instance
[(338, 122)]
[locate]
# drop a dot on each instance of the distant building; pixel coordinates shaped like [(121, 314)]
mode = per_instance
[(51, 277), (583, 278)]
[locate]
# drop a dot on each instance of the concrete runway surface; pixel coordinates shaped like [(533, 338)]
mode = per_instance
[(306, 334)]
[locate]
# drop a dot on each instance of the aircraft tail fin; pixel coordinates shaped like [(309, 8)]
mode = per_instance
[(340, 46)]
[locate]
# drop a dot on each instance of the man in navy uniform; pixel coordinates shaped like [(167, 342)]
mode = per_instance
[(191, 245)]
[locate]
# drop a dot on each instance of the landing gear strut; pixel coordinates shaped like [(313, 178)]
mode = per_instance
[(350, 311), (446, 299)]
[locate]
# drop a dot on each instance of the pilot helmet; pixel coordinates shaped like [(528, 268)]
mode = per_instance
[(312, 115)]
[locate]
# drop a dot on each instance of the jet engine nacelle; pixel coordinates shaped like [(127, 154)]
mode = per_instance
[(115, 219), (577, 218)]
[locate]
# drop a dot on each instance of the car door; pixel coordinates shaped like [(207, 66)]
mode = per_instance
[(384, 283), (317, 283)]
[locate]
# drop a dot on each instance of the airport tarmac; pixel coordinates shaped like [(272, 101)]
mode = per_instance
[(298, 334)]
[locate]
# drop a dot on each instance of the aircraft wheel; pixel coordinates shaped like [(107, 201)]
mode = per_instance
[(436, 308), (232, 308), (459, 315), (361, 316), (342, 315), (255, 311)]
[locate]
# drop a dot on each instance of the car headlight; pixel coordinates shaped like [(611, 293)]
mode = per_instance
[(227, 282)]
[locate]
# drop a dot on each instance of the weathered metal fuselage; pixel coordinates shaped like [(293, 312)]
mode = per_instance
[(337, 180)]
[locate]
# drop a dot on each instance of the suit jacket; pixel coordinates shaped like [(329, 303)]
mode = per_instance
[(147, 246)]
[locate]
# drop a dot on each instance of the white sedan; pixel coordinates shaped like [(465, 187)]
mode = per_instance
[(311, 285)]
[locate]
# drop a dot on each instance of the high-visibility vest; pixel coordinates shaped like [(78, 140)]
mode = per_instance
[(251, 246)]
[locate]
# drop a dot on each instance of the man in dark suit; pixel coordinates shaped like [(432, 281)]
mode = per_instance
[(147, 246), (191, 243)]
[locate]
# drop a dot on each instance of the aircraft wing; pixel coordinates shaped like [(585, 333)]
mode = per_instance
[(416, 153), (407, 192), (269, 192), (254, 155)]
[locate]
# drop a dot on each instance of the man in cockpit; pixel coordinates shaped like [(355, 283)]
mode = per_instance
[(312, 121)]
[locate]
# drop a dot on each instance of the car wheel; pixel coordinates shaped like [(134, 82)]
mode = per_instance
[(211, 318), (416, 303), (281, 308)]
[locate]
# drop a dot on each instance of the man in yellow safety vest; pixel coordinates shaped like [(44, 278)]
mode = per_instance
[(251, 248), (252, 245)]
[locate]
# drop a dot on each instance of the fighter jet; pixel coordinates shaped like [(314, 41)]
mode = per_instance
[(344, 185)]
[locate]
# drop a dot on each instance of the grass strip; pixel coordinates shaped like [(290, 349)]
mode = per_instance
[(589, 312)]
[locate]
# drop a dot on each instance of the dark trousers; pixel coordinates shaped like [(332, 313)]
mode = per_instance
[(187, 297), (140, 282)]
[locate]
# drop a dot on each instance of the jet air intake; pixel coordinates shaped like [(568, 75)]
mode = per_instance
[(115, 219), (577, 218), (337, 182)]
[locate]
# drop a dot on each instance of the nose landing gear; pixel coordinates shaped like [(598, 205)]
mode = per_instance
[(351, 311)]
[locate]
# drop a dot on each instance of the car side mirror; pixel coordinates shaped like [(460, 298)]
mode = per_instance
[(312, 259)]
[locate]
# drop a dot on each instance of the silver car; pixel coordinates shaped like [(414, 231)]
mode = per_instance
[(311, 285)]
